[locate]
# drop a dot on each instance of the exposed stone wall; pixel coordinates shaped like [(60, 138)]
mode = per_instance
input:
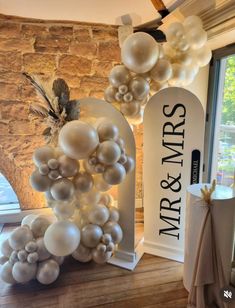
[(82, 54)]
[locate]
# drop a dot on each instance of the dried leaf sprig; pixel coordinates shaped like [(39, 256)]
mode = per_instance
[(207, 193), (58, 108)]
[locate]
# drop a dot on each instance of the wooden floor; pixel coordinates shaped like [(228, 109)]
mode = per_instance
[(156, 282)]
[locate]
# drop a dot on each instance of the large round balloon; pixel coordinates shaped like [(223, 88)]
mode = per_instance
[(62, 189), (139, 88), (78, 139), (23, 271), (39, 225), (162, 71), (114, 174), (62, 238), (68, 167), (48, 271), (139, 52), (43, 155), (40, 182), (6, 273), (107, 130), (98, 214), (108, 152), (20, 237), (114, 230)]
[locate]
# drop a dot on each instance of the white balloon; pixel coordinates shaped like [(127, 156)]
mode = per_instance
[(68, 167), (92, 197), (130, 109), (3, 260), (178, 75), (6, 273), (114, 174), (113, 214), (53, 163), (6, 249), (20, 237), (48, 271), (189, 76), (192, 22), (110, 247), (175, 32), (108, 152), (118, 97), (43, 253), (91, 235), (119, 75), (129, 165), (83, 182), (184, 58), (197, 38), (22, 255), (88, 167), (62, 238), (23, 271), (169, 52), (137, 119), (64, 210), (39, 225), (53, 174), (114, 230), (100, 183), (100, 257), (14, 257), (40, 182), (59, 260), (139, 88), (28, 219), (203, 56), (82, 254), (43, 155), (109, 94), (162, 71), (78, 139), (101, 247), (98, 214), (31, 246), (106, 239), (107, 130), (139, 52), (157, 86), (62, 189), (106, 199), (32, 257), (43, 169)]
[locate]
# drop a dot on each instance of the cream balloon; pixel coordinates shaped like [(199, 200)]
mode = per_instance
[(101, 247), (91, 235), (98, 214), (175, 31), (203, 56), (23, 271), (43, 155), (53, 163), (53, 174), (40, 182), (114, 230), (28, 219), (3, 260), (130, 109), (100, 257), (62, 238), (106, 239), (129, 165), (137, 119), (162, 71), (39, 225), (189, 76), (107, 130), (78, 140), (68, 167), (139, 52), (44, 169), (20, 237), (48, 271), (82, 254), (64, 210), (114, 174), (88, 167), (109, 94), (123, 89), (62, 189), (118, 97), (196, 38), (43, 253), (83, 182), (128, 97), (119, 75), (32, 257), (139, 88), (113, 214), (6, 249), (59, 260), (110, 247), (184, 58), (31, 246), (106, 199), (169, 52), (108, 152), (6, 273), (92, 197), (192, 22), (100, 183), (157, 86), (22, 255), (178, 75)]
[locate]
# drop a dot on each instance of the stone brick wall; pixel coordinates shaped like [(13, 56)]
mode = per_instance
[(82, 54)]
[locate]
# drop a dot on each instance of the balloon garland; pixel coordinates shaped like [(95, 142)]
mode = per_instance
[(149, 67), (75, 170)]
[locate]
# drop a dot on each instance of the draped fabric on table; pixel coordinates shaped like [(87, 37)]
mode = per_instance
[(208, 275)]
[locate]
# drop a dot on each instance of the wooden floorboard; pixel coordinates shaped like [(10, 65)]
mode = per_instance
[(156, 282)]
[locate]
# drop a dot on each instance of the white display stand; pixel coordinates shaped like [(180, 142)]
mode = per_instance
[(125, 255), (173, 144), (223, 214)]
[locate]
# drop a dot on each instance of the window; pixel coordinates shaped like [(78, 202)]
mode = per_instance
[(8, 198), (220, 134)]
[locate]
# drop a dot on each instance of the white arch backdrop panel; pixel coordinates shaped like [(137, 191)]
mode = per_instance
[(173, 144), (125, 256)]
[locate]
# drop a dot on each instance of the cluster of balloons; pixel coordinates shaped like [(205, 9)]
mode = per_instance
[(148, 66), (75, 177), (24, 254)]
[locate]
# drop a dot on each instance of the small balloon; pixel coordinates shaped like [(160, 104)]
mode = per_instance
[(62, 189), (68, 167), (107, 130), (162, 71), (106, 199), (31, 246), (100, 183), (100, 257), (43, 253), (43, 169), (98, 214), (53, 163), (23, 271), (22, 255), (139, 88), (197, 38), (82, 254), (203, 56), (64, 210), (178, 75), (108, 152), (48, 271), (130, 109), (40, 182), (20, 237), (106, 238), (114, 174), (118, 97), (101, 247), (39, 225), (128, 97), (129, 165), (123, 89), (174, 31), (6, 273), (53, 174), (113, 214), (32, 257), (110, 247), (43, 155), (91, 235), (119, 75), (114, 230), (192, 22), (83, 182), (92, 197), (6, 249), (3, 260), (109, 94)]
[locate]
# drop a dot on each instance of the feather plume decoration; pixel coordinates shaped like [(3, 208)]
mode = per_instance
[(38, 110)]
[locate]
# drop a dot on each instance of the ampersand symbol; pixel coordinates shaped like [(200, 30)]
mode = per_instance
[(174, 185)]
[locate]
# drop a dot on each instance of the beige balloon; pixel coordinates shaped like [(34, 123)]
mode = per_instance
[(32, 257), (184, 58), (98, 214), (137, 119), (83, 182), (175, 31), (59, 260), (62, 189), (3, 260), (107, 130), (106, 239), (162, 71), (114, 230), (130, 109), (78, 140), (109, 94), (139, 88), (178, 75), (43, 155), (6, 273), (92, 197), (139, 52), (40, 182), (39, 225), (119, 75), (108, 152), (203, 55), (91, 235), (196, 37), (64, 210), (192, 21), (88, 167), (82, 254), (48, 271), (129, 165), (6, 249), (106, 199), (53, 163), (100, 183), (43, 253), (100, 257), (43, 169), (114, 174), (113, 214), (31, 246), (22, 255), (68, 167), (23, 271), (28, 219), (20, 237), (62, 238)]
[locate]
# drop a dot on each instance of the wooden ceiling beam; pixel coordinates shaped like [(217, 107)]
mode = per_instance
[(159, 5)]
